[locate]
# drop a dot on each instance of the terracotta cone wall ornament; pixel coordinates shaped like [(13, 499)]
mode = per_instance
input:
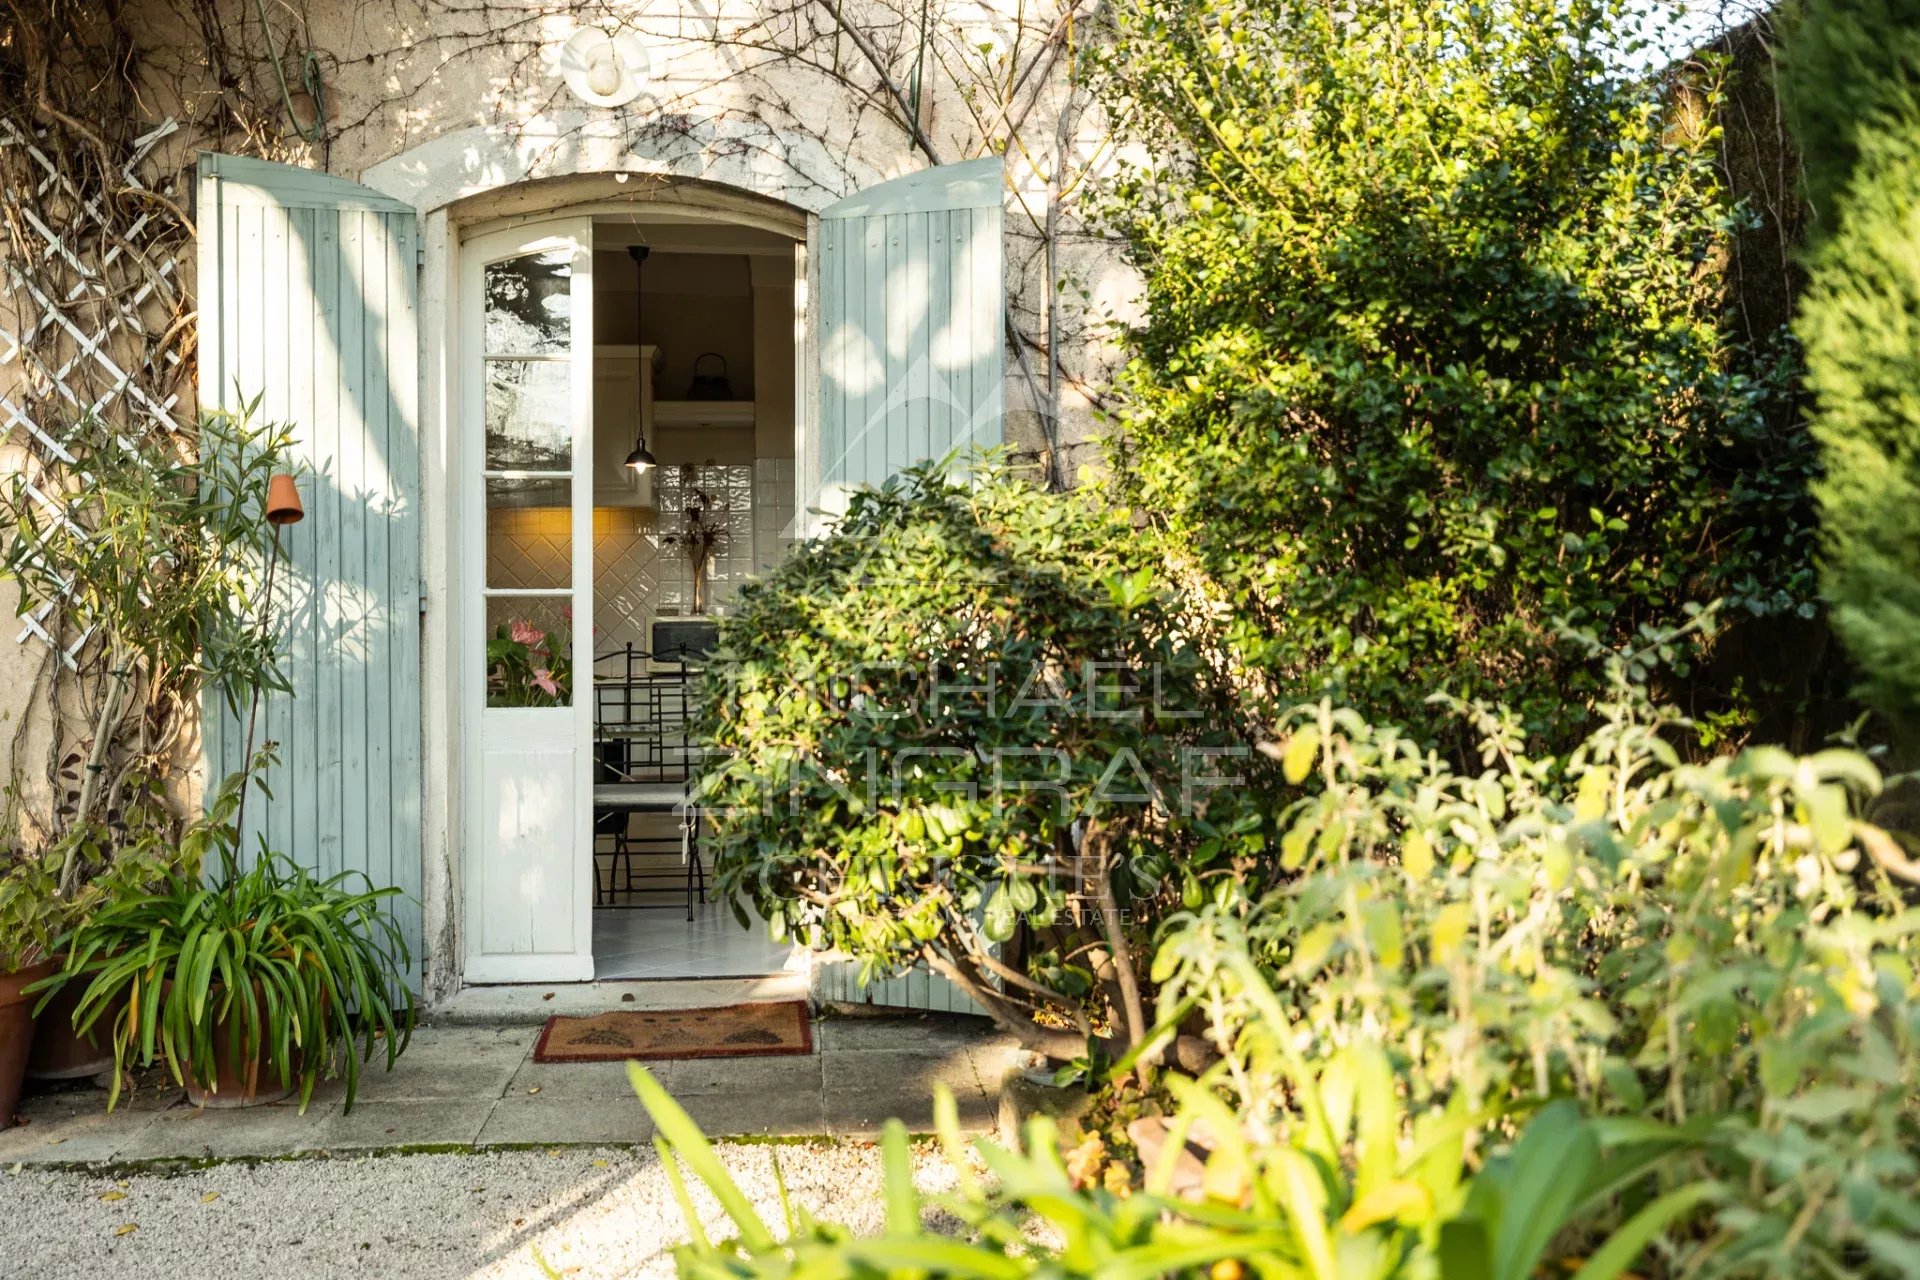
[(283, 501)]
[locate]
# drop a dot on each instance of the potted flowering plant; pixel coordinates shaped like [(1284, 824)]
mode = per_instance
[(528, 667)]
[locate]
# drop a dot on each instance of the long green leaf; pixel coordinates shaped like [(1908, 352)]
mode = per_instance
[(1547, 1170), (932, 1254), (678, 1128), (1613, 1258), (903, 1204)]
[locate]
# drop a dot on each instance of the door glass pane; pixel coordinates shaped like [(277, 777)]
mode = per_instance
[(529, 415), (529, 651), (530, 533), (529, 304)]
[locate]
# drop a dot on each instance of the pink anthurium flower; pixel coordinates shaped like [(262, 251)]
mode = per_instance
[(544, 678), (524, 632)]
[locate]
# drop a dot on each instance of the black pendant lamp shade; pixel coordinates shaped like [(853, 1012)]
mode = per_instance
[(642, 457)]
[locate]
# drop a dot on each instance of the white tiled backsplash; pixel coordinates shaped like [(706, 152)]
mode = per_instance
[(636, 579)]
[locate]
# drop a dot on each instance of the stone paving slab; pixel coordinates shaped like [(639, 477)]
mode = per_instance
[(72, 1128), (376, 1124), (757, 1115), (543, 1121), (774, 1075), (465, 1086), (196, 1134)]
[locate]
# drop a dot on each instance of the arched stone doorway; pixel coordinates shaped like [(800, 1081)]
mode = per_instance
[(892, 323)]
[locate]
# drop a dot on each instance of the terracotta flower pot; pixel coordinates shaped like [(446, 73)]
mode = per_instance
[(16, 1034), (60, 1052), (251, 1083)]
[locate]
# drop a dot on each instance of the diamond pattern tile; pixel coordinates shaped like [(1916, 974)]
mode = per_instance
[(637, 578)]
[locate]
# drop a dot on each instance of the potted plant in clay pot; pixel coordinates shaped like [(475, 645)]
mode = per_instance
[(262, 983), (118, 864), (150, 551), (37, 884), (30, 917), (37, 1042), (32, 905)]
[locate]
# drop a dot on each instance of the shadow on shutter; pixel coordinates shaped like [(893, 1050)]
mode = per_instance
[(912, 366), (307, 292), (912, 350)]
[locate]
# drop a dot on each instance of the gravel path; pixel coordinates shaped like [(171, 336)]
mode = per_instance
[(589, 1213)]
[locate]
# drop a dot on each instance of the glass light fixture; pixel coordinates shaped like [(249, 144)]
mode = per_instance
[(641, 458)]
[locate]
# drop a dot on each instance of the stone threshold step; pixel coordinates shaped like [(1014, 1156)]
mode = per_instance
[(529, 1004)]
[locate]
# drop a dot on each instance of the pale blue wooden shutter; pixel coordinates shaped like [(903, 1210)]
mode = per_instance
[(912, 305), (307, 294), (912, 366)]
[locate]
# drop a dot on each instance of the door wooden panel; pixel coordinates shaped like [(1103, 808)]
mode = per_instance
[(526, 441)]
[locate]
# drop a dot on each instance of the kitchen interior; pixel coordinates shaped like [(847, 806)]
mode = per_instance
[(693, 493)]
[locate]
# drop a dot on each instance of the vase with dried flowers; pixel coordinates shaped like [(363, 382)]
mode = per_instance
[(702, 531)]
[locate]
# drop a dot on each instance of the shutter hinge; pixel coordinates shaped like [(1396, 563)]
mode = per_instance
[(420, 256), (423, 599)]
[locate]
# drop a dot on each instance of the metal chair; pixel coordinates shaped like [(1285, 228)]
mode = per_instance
[(643, 764)]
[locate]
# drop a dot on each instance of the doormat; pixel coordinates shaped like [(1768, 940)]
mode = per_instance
[(731, 1031)]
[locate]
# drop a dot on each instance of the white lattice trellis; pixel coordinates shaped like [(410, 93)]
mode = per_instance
[(86, 347)]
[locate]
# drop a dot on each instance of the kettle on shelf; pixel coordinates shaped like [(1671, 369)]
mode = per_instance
[(708, 385)]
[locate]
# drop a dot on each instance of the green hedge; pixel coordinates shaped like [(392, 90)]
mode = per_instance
[(1853, 87)]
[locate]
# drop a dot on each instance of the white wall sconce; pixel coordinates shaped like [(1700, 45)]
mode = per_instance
[(603, 69)]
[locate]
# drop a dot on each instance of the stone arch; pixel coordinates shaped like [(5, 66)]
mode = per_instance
[(457, 171)]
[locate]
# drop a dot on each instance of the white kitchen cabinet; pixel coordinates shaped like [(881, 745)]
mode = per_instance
[(712, 415), (622, 412)]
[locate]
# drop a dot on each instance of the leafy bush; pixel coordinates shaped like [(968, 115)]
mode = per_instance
[(1854, 90), (1722, 947), (966, 709), (1548, 1013), (150, 558), (293, 968), (1350, 1192), (1434, 361)]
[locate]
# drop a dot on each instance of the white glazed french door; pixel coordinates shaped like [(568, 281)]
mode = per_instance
[(526, 368)]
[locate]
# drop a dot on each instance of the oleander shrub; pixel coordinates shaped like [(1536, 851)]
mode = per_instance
[(1435, 363), (150, 556), (968, 730)]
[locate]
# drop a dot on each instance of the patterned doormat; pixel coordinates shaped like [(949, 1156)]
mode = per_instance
[(731, 1031)]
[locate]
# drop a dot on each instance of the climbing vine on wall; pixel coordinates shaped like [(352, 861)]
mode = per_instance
[(97, 344), (103, 106)]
